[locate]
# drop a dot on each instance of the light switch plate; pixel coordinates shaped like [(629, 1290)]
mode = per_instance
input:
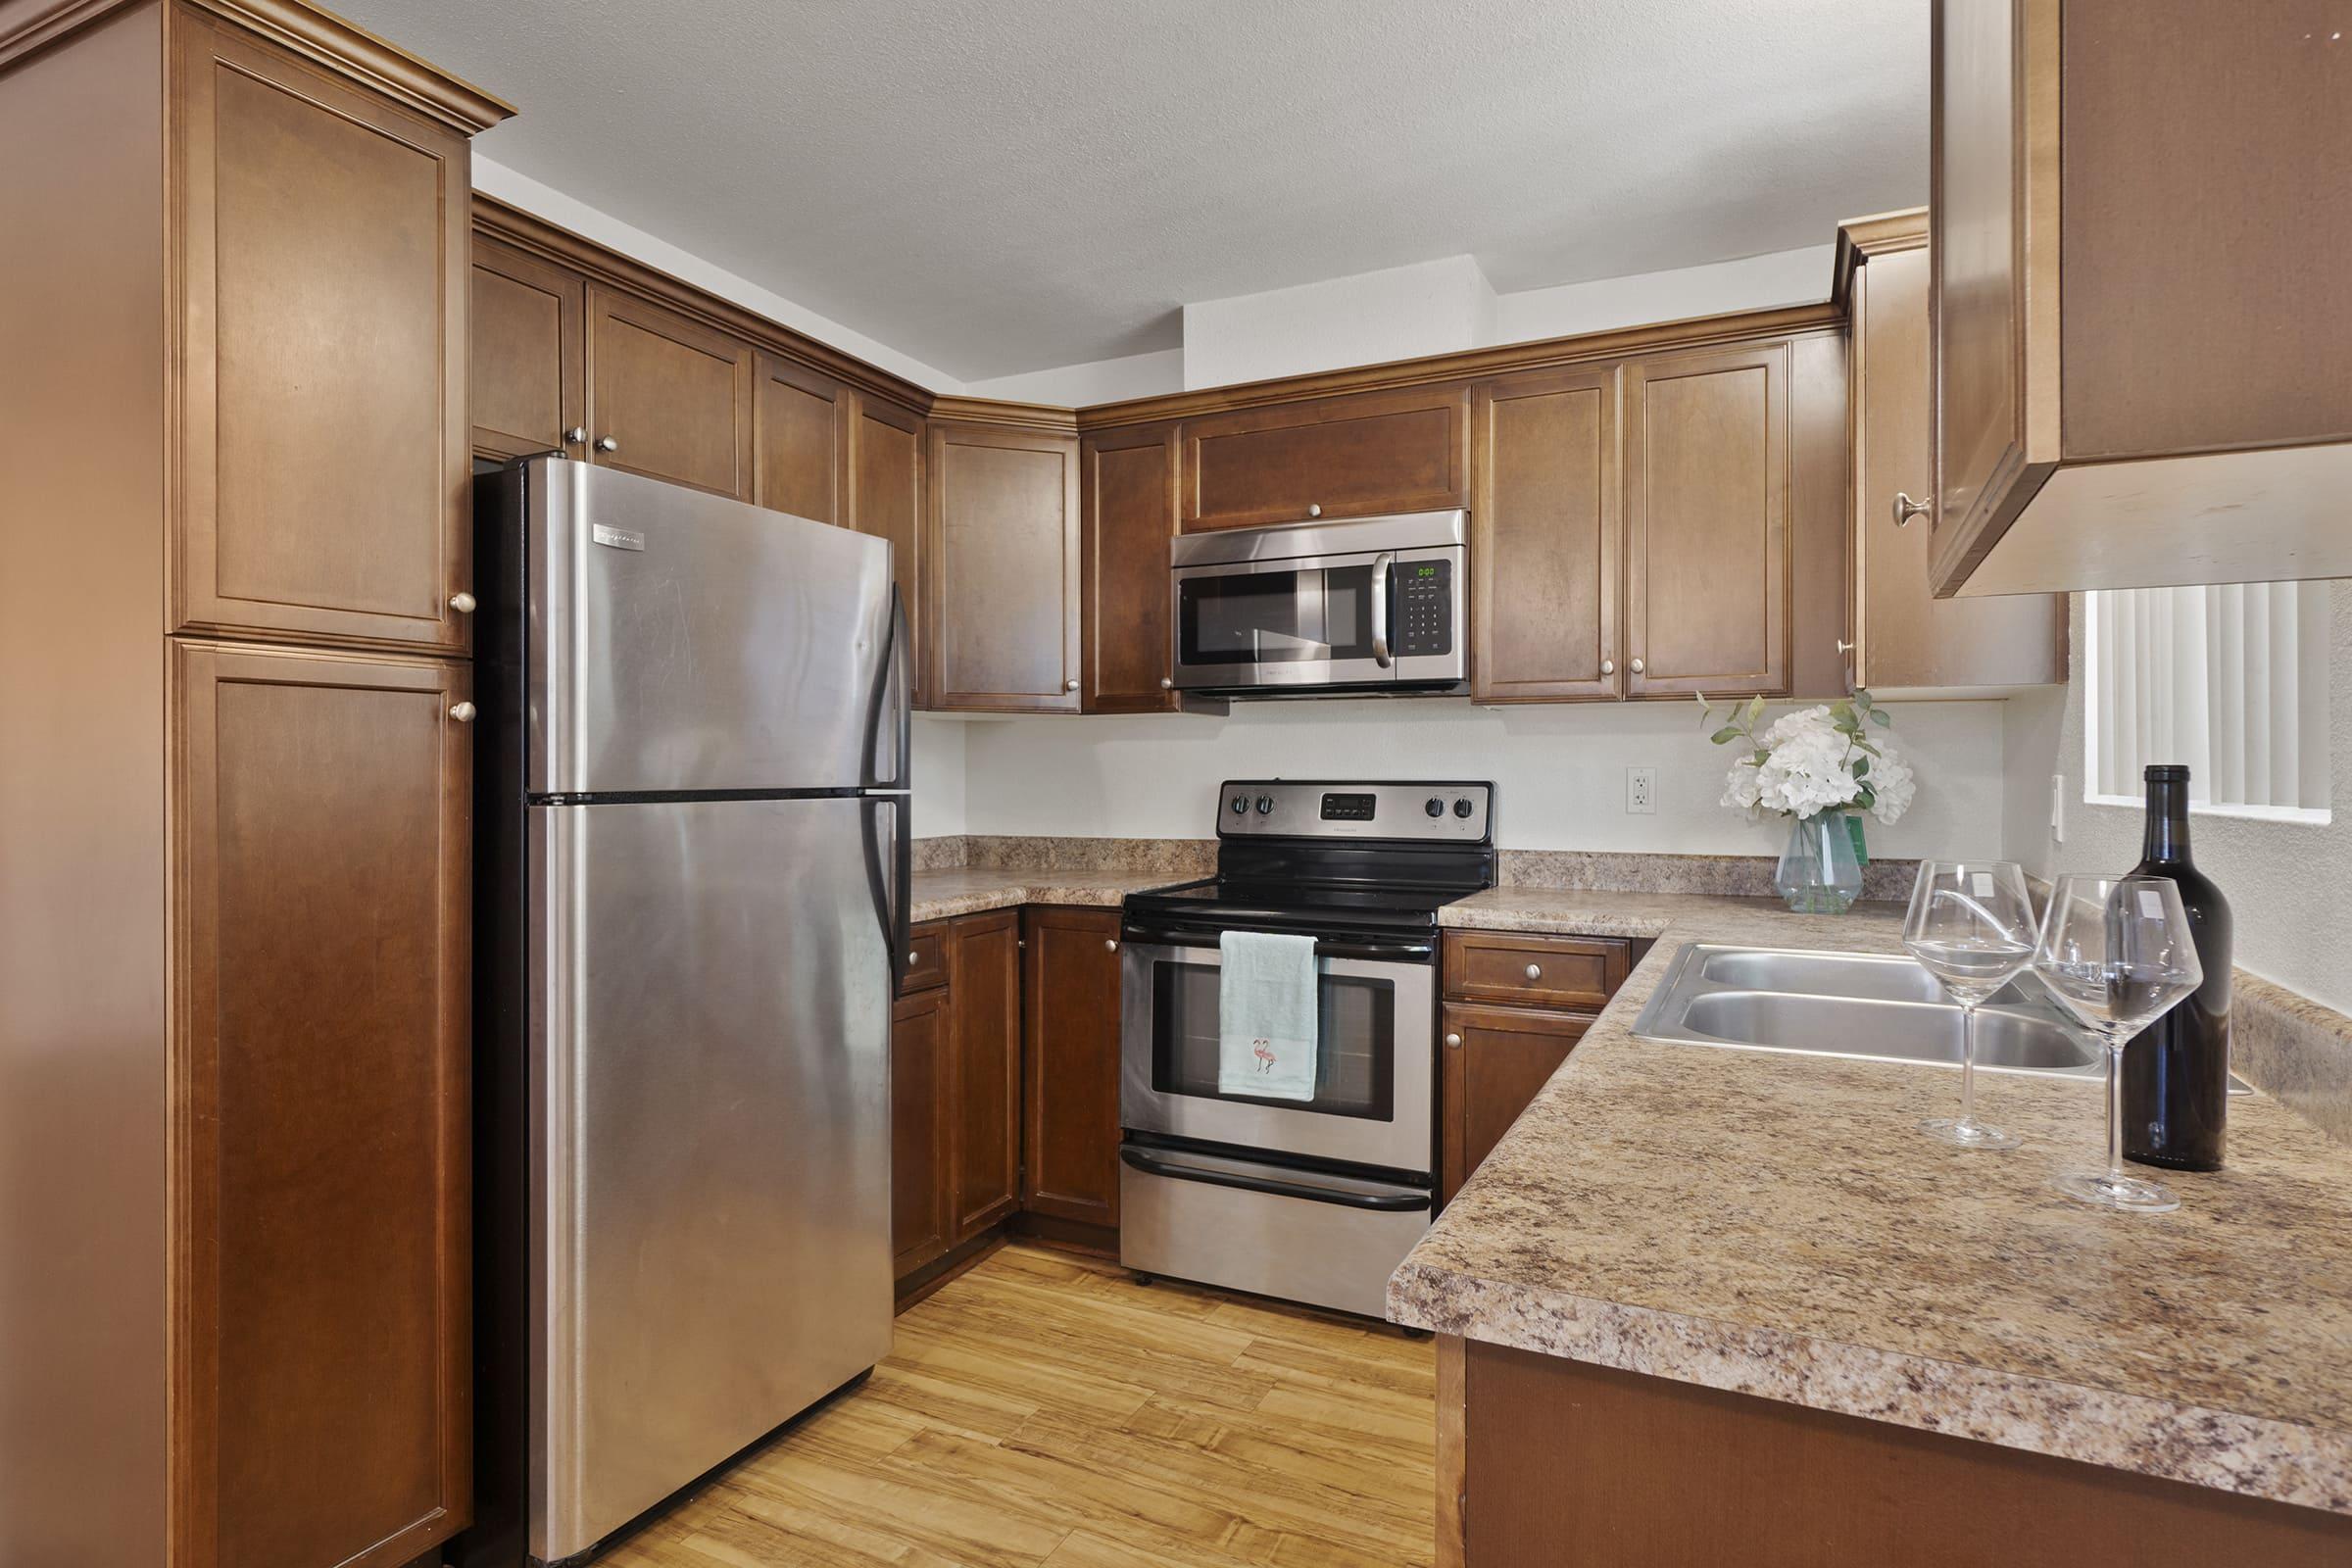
[(1641, 791)]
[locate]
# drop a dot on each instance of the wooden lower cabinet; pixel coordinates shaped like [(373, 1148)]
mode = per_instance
[(1544, 1461), (1495, 1060), (955, 1086), (322, 1282), (1071, 1130)]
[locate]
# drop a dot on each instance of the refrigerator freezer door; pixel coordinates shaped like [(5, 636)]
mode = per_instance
[(683, 642), (710, 1139)]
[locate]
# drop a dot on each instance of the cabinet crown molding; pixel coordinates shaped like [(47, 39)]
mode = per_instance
[(1014, 415), (355, 51), (1861, 238)]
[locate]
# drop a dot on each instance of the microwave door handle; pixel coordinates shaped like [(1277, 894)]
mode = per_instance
[(1382, 566)]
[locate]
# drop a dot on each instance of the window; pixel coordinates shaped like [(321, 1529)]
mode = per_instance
[(2231, 680)]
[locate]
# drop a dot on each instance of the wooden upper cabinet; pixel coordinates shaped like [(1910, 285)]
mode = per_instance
[(2141, 312), (1004, 568), (528, 339), (323, 475), (323, 1268), (1706, 505), (1127, 495), (799, 440), (1545, 531), (672, 396), (1904, 639), (1330, 458), (886, 501), (1071, 993)]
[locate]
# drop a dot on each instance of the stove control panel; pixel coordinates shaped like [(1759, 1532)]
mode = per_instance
[(1443, 812)]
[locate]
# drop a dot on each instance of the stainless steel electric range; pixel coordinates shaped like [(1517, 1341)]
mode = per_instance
[(1313, 1201)]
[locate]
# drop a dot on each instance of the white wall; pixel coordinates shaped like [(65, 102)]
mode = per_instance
[(1131, 376), (1559, 771), (1751, 283), (544, 200), (2290, 884), (1398, 313), (939, 777)]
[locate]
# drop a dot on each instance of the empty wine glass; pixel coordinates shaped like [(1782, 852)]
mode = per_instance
[(2116, 952), (1971, 926)]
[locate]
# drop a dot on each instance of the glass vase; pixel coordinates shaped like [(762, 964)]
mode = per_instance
[(1821, 871)]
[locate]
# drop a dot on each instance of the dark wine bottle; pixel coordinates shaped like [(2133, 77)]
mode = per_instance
[(2177, 1070)]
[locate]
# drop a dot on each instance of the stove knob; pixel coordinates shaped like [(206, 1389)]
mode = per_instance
[(1265, 804), (1461, 808), (1434, 808), (1240, 805)]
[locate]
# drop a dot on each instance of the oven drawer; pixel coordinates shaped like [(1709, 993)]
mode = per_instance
[(1532, 971), (1302, 1236)]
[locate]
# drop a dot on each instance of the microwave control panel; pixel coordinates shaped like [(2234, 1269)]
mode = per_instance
[(1424, 607)]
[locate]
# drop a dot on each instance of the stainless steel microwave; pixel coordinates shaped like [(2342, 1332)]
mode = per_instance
[(1373, 606)]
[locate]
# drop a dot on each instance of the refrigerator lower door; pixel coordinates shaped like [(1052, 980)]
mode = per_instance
[(711, 1139)]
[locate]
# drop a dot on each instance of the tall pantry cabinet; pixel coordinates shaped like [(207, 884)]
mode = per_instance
[(234, 582)]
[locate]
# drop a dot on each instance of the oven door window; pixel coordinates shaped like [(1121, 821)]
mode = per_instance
[(1304, 614), (1356, 1045)]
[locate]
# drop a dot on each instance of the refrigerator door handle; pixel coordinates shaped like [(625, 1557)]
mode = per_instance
[(889, 883), (890, 705)]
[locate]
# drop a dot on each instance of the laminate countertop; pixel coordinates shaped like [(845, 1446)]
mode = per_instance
[(972, 890), (1775, 1225)]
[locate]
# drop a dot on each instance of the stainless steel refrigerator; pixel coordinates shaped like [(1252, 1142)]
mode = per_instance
[(691, 837)]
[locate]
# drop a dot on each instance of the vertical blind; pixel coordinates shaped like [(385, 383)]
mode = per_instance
[(2231, 680)]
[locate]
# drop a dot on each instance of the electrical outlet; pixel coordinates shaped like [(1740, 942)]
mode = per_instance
[(1641, 791), (2058, 807)]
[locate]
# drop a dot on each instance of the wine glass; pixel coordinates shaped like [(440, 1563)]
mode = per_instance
[(2116, 952), (1971, 926)]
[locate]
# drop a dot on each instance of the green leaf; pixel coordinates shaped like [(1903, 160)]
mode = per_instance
[(1861, 767), (1882, 717), (1727, 733), (1755, 709)]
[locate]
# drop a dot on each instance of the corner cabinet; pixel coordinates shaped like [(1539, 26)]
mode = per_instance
[(886, 501), (1127, 493), (1904, 642), (955, 1086), (2141, 312), (1001, 552)]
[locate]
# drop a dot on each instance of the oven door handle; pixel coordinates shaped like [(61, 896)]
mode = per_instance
[(1371, 952), (1382, 565), (1153, 1164)]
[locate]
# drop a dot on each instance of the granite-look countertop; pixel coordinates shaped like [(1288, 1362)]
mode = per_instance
[(970, 889), (1775, 1225)]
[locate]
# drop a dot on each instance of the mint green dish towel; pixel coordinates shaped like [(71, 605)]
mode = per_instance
[(1268, 1014)]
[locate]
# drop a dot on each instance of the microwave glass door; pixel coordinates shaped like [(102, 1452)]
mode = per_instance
[(1289, 616)]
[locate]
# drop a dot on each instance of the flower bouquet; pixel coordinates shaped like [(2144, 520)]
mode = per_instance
[(1820, 766)]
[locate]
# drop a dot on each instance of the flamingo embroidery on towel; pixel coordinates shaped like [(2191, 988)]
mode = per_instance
[(1263, 1050)]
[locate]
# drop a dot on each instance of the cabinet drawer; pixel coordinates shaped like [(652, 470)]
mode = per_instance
[(926, 958), (1330, 457), (1534, 970)]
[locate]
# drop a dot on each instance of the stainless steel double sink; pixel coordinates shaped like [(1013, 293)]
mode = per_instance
[(1861, 1006)]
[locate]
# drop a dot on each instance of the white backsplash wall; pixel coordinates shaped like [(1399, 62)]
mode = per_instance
[(1559, 771), (938, 745)]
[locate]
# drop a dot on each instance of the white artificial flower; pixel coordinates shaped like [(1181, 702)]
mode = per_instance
[(1890, 784), (1808, 767)]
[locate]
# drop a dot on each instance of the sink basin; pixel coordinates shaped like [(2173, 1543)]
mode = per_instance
[(1861, 1006)]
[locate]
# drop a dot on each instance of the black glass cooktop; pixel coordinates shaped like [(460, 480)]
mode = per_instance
[(1271, 905)]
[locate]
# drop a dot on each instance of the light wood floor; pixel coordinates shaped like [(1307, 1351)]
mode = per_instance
[(1044, 1409)]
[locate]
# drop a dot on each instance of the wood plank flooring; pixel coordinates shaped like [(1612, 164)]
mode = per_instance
[(1047, 1411)]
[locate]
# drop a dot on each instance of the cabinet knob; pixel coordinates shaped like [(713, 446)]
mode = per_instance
[(463, 712), (1534, 971), (1609, 667), (914, 958), (605, 443), (1453, 1042), (1110, 944), (1905, 508), (1314, 509), (1844, 647), (1635, 666), (1166, 685), (461, 601), (1069, 685), (576, 435)]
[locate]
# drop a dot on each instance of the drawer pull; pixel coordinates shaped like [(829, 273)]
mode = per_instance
[(1534, 971), (1453, 1042)]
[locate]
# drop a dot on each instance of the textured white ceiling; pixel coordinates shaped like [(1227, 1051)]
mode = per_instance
[(999, 185)]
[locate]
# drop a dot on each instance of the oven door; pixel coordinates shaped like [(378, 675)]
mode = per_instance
[(1375, 1053), (1377, 618)]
